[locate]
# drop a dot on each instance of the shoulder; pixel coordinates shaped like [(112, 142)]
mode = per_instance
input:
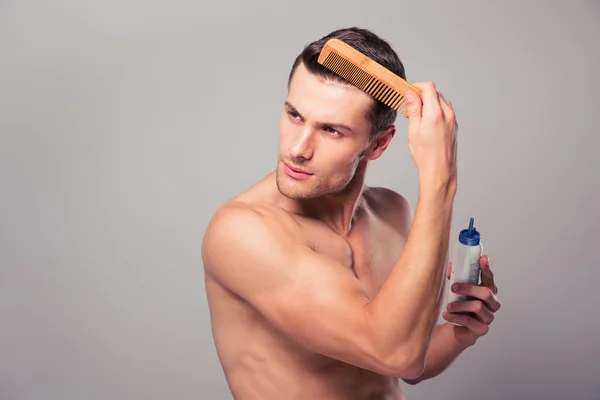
[(247, 216), (383, 199), (386, 196), (389, 205), (240, 228)]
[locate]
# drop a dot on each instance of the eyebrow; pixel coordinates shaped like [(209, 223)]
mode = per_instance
[(340, 127)]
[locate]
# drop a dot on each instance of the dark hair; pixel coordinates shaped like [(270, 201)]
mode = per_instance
[(368, 43)]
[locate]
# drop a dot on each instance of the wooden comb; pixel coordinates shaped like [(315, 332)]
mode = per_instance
[(366, 74)]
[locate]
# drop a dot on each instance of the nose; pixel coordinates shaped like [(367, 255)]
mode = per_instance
[(303, 147)]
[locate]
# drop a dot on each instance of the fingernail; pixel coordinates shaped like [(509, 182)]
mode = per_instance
[(455, 287), (410, 96)]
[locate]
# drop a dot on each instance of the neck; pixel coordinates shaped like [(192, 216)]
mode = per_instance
[(338, 210)]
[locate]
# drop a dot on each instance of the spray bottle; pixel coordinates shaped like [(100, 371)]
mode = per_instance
[(465, 261)]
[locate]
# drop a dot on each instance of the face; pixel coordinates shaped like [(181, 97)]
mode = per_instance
[(324, 136)]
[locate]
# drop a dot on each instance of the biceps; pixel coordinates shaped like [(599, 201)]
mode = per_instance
[(321, 306)]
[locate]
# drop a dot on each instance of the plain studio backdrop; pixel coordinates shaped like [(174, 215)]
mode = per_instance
[(126, 124)]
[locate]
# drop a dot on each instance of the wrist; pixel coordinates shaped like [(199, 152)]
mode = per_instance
[(462, 338), (446, 183), (438, 190)]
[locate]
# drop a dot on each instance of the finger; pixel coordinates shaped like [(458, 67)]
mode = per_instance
[(455, 136), (448, 111), (429, 97), (487, 276), (453, 111), (482, 293), (473, 306), (468, 322), (449, 115), (449, 274), (414, 105)]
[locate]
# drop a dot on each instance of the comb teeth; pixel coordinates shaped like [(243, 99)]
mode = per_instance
[(366, 82)]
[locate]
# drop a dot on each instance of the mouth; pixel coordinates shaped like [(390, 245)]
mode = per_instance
[(295, 172)]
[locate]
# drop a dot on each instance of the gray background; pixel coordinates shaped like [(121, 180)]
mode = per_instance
[(126, 124)]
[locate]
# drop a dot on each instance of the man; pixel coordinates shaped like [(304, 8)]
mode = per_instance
[(321, 287)]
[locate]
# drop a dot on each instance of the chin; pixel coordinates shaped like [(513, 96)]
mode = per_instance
[(291, 188), (303, 190), (294, 189)]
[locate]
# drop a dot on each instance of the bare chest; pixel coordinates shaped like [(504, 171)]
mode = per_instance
[(370, 252)]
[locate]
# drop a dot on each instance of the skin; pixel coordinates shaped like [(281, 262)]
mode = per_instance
[(327, 288)]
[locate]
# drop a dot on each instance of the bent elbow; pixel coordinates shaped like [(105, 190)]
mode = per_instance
[(405, 366), (413, 372), (403, 359), (409, 371)]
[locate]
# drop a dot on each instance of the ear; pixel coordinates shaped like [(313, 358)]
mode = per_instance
[(380, 143)]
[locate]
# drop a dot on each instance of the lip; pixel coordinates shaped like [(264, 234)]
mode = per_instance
[(296, 173)]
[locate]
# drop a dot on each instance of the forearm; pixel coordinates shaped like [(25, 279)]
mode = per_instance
[(404, 312), (443, 351)]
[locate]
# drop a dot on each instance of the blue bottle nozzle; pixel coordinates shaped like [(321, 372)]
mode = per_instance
[(470, 237)]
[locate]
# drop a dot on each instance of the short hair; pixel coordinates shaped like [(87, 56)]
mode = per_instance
[(380, 115)]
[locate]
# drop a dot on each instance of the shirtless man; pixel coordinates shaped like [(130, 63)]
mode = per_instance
[(321, 287)]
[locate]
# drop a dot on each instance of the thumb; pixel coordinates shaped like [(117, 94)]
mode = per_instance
[(413, 105)]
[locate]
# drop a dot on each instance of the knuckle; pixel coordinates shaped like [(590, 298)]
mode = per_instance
[(478, 306), (437, 114)]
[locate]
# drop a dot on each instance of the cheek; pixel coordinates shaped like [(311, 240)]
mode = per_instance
[(341, 167), (286, 132), (282, 128), (283, 136)]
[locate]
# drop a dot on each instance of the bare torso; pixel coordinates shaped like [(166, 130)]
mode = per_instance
[(260, 362)]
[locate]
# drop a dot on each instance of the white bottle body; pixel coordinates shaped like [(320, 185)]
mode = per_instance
[(465, 268)]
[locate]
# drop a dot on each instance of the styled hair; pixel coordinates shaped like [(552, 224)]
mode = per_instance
[(368, 43)]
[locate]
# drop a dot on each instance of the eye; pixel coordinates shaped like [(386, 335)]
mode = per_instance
[(332, 131), (293, 115)]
